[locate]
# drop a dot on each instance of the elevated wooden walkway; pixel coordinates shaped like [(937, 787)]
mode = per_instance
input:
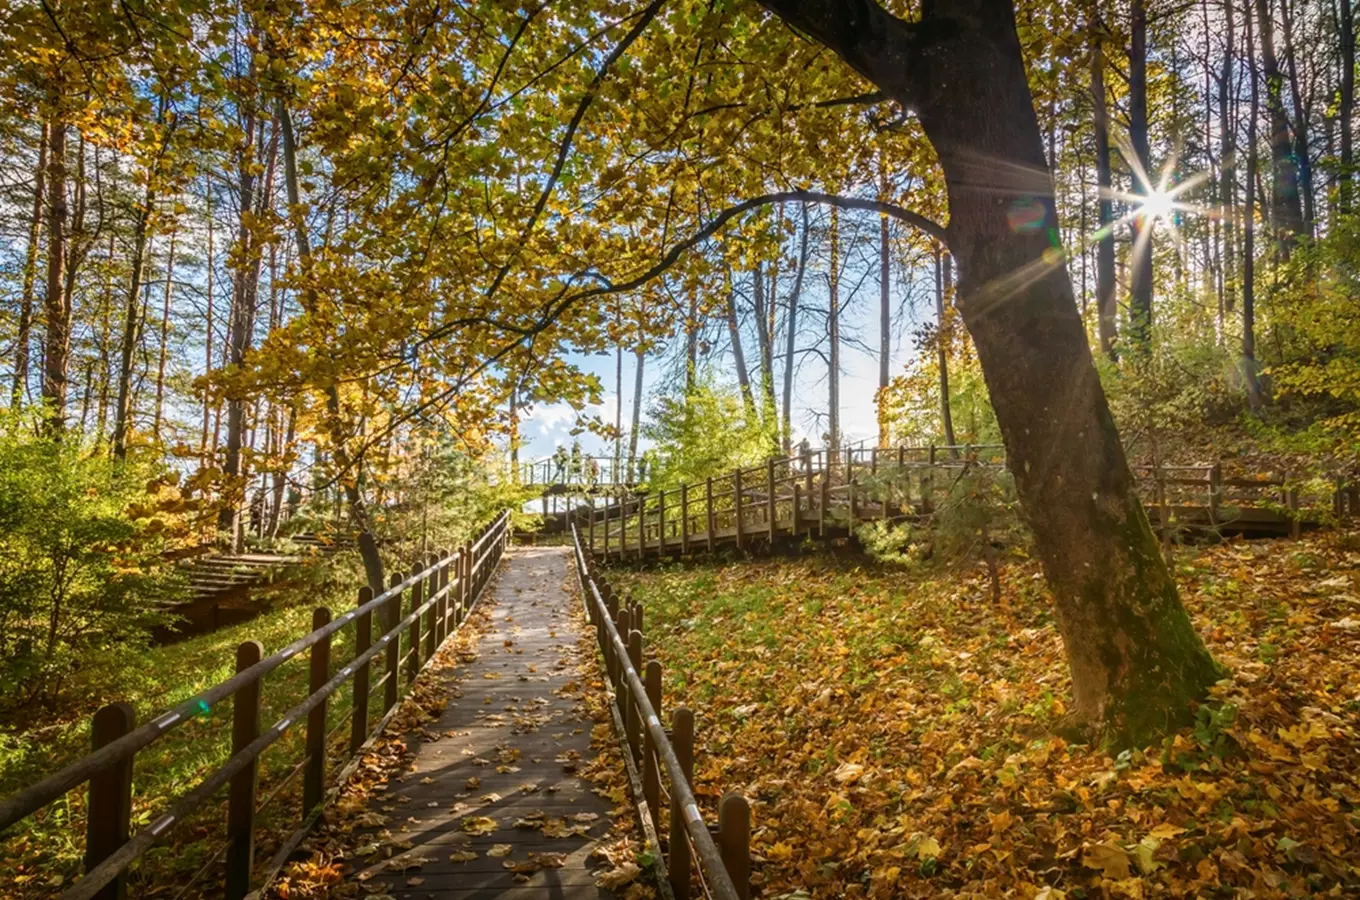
[(825, 493)]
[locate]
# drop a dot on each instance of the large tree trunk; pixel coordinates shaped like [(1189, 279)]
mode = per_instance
[(1140, 278), (19, 390), (791, 333), (1137, 664), (1286, 212), (1346, 177), (1106, 310), (57, 302)]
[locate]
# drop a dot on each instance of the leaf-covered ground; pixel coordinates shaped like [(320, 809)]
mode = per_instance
[(894, 730)]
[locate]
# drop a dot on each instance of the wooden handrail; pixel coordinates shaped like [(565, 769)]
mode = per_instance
[(116, 755), (622, 659)]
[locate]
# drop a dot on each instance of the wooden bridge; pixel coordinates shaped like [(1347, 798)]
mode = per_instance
[(826, 493)]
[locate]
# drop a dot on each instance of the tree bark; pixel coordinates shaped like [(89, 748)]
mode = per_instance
[(765, 343), (1227, 149), (1137, 664), (57, 302), (165, 339), (791, 333), (1286, 212), (19, 390), (640, 358)]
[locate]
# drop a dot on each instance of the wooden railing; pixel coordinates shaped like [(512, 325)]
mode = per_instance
[(665, 757), (442, 591), (824, 489)]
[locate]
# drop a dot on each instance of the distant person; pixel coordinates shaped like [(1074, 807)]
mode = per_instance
[(560, 461), (594, 472), (576, 471)]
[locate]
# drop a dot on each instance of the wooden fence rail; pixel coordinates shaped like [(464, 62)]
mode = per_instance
[(825, 492), (442, 588), (724, 866)]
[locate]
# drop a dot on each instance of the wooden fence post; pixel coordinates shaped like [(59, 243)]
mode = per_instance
[(651, 776), (314, 776), (682, 741), (363, 639), (642, 525), (684, 518), (413, 633), (736, 506), (590, 521), (110, 797), (708, 498), (660, 524), (822, 503), (797, 513), (444, 604), (770, 510), (391, 618), (431, 617), (245, 728), (734, 840), (633, 721)]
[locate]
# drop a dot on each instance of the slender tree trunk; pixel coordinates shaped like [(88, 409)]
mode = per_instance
[(208, 331), (1249, 374), (105, 347), (1137, 664), (1302, 159), (57, 302), (132, 324), (281, 473), (238, 328), (1140, 300), (1286, 212), (1227, 149), (738, 354), (765, 342), (691, 341), (1346, 177), (1106, 308), (165, 338), (833, 317), (884, 309), (640, 360), (791, 332), (348, 467), (942, 278), (618, 411), (22, 340)]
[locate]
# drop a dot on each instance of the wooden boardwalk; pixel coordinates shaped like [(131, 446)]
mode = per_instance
[(514, 734)]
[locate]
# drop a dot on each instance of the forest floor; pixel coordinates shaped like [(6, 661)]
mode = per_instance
[(893, 729)]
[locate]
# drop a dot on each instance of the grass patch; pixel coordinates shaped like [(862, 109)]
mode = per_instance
[(44, 853)]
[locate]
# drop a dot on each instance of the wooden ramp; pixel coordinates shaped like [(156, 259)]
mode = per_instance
[(515, 733)]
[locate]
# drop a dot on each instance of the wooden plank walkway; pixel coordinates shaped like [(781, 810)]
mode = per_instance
[(514, 734)]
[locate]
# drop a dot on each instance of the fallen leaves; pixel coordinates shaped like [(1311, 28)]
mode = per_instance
[(915, 752)]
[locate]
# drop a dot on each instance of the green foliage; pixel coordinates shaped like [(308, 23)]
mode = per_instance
[(1320, 308), (82, 578), (704, 432)]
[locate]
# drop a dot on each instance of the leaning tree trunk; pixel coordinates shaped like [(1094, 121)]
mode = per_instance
[(1137, 663)]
